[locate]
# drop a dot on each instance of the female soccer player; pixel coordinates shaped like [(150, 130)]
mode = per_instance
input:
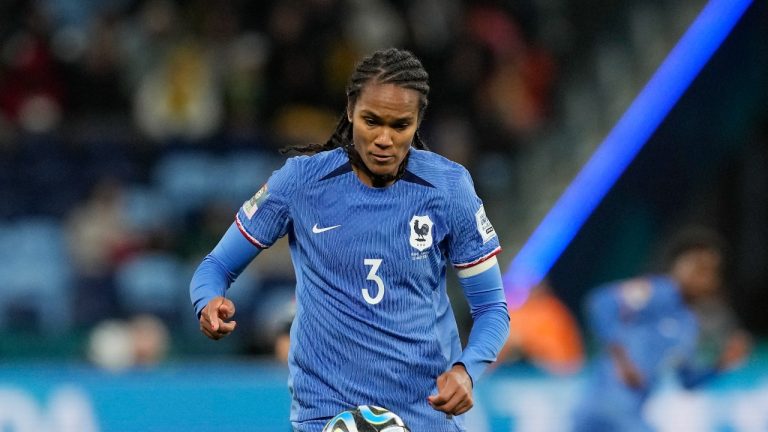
[(373, 219)]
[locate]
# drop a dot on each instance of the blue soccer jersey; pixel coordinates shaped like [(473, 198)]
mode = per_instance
[(373, 323), (648, 318)]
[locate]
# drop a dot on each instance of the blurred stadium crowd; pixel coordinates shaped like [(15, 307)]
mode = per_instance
[(131, 130)]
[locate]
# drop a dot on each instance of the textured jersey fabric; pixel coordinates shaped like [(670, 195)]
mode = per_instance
[(373, 323)]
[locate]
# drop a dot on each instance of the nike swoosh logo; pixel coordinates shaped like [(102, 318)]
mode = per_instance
[(317, 230)]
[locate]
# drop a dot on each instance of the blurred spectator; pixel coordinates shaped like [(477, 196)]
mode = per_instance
[(98, 238), (518, 91), (514, 97), (32, 89), (150, 340), (647, 326), (99, 241), (544, 332), (117, 345), (110, 345), (180, 98)]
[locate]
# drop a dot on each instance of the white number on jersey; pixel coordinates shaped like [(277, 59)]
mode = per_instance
[(375, 264)]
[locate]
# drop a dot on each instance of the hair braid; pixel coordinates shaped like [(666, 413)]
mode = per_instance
[(387, 66)]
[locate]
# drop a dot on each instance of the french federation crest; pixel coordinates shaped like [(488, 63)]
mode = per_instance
[(421, 232)]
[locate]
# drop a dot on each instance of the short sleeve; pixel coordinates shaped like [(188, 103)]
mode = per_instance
[(265, 217), (473, 238)]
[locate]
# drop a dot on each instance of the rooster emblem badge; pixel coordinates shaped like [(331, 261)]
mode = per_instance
[(421, 232)]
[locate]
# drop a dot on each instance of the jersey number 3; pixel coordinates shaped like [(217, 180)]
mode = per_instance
[(372, 276)]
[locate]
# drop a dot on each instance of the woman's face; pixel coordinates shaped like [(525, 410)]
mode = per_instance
[(384, 121)]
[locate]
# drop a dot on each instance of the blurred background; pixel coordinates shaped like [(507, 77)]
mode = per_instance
[(132, 130)]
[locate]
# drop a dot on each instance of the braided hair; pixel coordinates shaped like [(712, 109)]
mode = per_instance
[(387, 66)]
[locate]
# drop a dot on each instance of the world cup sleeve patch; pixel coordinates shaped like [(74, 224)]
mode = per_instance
[(250, 206), (484, 226)]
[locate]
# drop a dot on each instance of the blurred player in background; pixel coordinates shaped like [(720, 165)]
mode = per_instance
[(649, 324), (373, 219)]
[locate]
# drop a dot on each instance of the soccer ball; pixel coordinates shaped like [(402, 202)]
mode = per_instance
[(366, 418)]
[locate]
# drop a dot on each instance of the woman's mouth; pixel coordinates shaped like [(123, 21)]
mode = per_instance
[(381, 158)]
